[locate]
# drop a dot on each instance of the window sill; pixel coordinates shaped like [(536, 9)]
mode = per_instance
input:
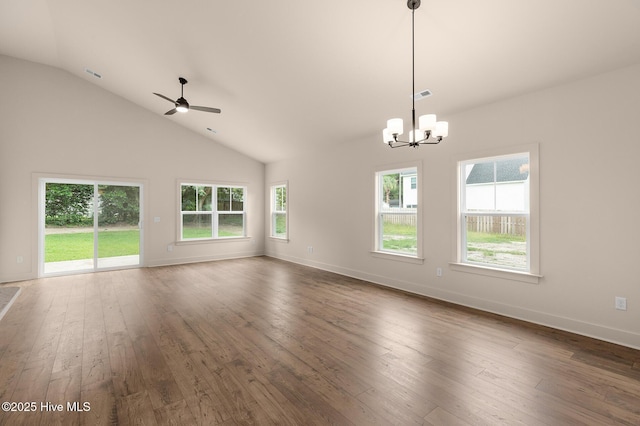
[(212, 240), (398, 257), (278, 239), (496, 273)]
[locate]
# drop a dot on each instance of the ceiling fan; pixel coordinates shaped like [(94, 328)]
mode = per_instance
[(182, 105)]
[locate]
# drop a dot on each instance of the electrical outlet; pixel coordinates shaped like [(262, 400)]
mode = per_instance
[(438, 272), (170, 247), (310, 249), (19, 259), (621, 303)]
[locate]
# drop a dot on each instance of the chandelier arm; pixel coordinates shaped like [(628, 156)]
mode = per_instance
[(432, 142), (399, 144), (424, 141)]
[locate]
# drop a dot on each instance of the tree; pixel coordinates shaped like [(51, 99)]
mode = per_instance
[(119, 204), (196, 198), (390, 183), (68, 204)]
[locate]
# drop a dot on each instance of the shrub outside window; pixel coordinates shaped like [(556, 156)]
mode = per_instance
[(211, 211)]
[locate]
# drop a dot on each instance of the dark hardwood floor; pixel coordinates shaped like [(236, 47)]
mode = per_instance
[(261, 341)]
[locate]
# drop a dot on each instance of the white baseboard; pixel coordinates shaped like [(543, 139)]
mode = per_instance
[(19, 277), (596, 331), (198, 259)]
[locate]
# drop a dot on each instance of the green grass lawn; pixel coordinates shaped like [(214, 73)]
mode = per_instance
[(400, 238), (196, 232), (228, 226), (486, 237), (497, 249), (77, 246)]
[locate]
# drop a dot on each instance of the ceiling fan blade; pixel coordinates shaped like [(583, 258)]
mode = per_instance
[(164, 97), (171, 112), (205, 109)]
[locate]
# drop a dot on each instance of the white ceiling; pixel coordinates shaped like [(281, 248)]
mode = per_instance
[(290, 75)]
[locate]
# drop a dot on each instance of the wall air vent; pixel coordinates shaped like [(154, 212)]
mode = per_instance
[(422, 94)]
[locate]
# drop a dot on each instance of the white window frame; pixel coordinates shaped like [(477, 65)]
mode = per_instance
[(41, 180), (377, 250), (532, 273), (274, 210), (214, 212)]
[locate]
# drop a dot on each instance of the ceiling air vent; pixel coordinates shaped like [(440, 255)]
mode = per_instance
[(93, 73), (422, 94)]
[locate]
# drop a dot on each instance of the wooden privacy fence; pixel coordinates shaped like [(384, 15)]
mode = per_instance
[(514, 225), (408, 218)]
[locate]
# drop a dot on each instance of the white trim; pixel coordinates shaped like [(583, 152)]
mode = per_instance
[(533, 225), (272, 187), (39, 181), (214, 212), (377, 231), (508, 274), (614, 335), (278, 240), (211, 240), (398, 257), (199, 259)]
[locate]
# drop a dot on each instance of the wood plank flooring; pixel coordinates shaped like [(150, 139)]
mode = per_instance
[(261, 341)]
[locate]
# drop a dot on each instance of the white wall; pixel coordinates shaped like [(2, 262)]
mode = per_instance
[(55, 124), (589, 173)]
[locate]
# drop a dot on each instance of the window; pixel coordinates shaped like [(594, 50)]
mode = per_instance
[(397, 214), (498, 212), (279, 211), (211, 211)]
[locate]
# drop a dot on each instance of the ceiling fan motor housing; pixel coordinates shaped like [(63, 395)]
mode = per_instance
[(182, 105)]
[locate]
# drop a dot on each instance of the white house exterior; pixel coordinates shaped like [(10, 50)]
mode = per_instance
[(507, 190), (409, 190)]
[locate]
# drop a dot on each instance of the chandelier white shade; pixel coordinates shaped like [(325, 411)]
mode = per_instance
[(429, 130)]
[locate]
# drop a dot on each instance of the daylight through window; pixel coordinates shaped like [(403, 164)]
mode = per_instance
[(495, 211), (279, 211), (397, 211), (211, 211)]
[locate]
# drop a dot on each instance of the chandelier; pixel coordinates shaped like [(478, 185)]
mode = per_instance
[(429, 131)]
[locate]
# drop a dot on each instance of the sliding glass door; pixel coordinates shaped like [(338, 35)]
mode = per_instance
[(118, 229), (89, 226)]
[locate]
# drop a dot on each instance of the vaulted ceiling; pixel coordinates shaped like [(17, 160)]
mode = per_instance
[(291, 75)]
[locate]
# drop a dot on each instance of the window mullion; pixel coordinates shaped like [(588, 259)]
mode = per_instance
[(214, 211)]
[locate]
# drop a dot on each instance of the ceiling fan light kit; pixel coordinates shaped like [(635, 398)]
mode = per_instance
[(429, 131), (181, 104)]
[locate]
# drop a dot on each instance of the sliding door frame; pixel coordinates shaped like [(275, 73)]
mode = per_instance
[(43, 179)]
